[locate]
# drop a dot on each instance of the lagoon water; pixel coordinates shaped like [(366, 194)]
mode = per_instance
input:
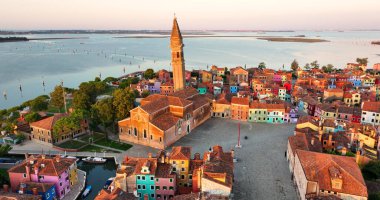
[(76, 60)]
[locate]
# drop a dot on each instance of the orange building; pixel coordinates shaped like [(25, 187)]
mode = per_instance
[(162, 120), (239, 108)]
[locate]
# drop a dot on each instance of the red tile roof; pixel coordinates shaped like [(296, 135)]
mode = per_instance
[(371, 106), (165, 121), (180, 153), (318, 166), (54, 166), (48, 122), (241, 101)]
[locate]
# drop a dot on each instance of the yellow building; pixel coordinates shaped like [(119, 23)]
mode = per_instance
[(307, 122), (180, 160), (73, 176), (221, 107)]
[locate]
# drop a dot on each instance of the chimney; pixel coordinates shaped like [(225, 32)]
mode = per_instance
[(233, 153), (357, 157), (27, 170), (330, 137), (43, 156), (149, 155), (58, 158), (162, 158), (208, 157), (312, 141), (35, 191), (197, 156), (6, 188)]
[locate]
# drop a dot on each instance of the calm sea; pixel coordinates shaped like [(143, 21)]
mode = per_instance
[(73, 61)]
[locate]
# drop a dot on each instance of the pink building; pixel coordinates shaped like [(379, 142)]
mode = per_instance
[(376, 66), (165, 181), (43, 169)]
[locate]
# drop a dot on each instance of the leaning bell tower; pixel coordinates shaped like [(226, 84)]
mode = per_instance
[(178, 61)]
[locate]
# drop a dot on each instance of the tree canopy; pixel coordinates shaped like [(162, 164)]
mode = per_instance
[(103, 111), (69, 123), (56, 97), (314, 64), (4, 149), (123, 102), (32, 117), (262, 65), (145, 93), (328, 68), (294, 65), (86, 95), (362, 61), (149, 74)]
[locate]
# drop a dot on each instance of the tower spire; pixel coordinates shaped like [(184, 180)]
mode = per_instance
[(178, 61)]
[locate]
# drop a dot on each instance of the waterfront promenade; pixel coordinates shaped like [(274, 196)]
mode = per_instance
[(78, 188)]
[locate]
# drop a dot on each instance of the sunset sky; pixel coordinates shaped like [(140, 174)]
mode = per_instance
[(192, 14)]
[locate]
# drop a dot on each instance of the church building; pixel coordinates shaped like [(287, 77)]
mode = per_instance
[(161, 120)]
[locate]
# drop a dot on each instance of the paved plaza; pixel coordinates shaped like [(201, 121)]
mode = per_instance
[(262, 170)]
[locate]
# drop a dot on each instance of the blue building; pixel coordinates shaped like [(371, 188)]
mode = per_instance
[(145, 171), (233, 89), (46, 190)]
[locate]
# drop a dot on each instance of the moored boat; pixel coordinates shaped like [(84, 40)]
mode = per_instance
[(108, 183), (94, 160), (86, 191)]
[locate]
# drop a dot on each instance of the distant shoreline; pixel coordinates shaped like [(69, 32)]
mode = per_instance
[(59, 38), (292, 39)]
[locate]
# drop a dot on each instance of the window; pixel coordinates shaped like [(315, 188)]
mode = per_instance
[(24, 175), (190, 176), (145, 134), (152, 195), (183, 169), (135, 131), (143, 177), (138, 177), (183, 162), (151, 137), (152, 187), (174, 169), (171, 188), (151, 178), (157, 179), (143, 187), (158, 196), (160, 139), (157, 187), (171, 180), (182, 176), (129, 131), (165, 188)]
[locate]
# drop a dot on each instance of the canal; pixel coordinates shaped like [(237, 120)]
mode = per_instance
[(97, 175)]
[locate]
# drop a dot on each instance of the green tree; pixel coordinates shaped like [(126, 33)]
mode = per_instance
[(149, 74), (314, 64), (81, 100), (32, 117), (362, 61), (307, 66), (110, 79), (65, 125), (294, 65), (145, 93), (262, 65), (56, 97), (4, 149), (20, 136), (103, 111), (97, 79), (39, 104), (328, 69), (123, 102)]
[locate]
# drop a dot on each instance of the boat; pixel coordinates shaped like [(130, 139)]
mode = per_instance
[(86, 191), (94, 160), (72, 157), (108, 183)]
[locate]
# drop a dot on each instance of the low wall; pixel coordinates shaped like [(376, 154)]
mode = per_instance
[(69, 150)]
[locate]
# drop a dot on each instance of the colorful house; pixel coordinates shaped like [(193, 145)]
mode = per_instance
[(257, 112), (276, 113), (145, 177), (46, 190), (179, 158), (165, 181), (233, 89), (43, 169), (222, 106), (371, 113), (282, 93), (239, 108)]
